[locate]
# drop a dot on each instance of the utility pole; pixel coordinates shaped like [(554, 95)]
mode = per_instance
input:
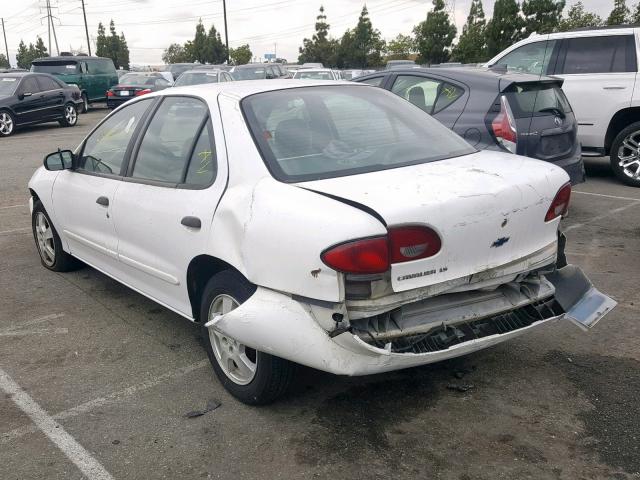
[(49, 26), (226, 30), (6, 47), (53, 27), (86, 29)]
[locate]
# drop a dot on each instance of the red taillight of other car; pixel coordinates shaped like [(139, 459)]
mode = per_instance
[(376, 254), (504, 126), (560, 204), (142, 92), (110, 93)]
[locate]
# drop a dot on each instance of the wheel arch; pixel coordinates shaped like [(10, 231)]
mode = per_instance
[(619, 121)]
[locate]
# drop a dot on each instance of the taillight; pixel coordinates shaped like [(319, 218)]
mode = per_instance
[(110, 93), (142, 92), (369, 255), (504, 126), (560, 204), (375, 255)]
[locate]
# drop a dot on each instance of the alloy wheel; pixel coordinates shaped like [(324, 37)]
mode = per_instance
[(6, 123), (237, 361), (629, 155), (70, 115), (44, 238)]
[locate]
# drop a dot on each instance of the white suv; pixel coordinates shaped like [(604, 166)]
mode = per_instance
[(599, 68)]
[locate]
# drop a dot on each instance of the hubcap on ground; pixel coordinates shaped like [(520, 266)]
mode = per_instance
[(629, 155), (70, 114), (44, 239), (236, 360), (6, 123)]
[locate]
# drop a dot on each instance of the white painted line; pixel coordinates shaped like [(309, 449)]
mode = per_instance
[(600, 217), (35, 321), (607, 196), (42, 331), (100, 401), (16, 230), (14, 206), (75, 452)]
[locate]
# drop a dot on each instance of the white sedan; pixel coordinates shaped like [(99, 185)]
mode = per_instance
[(331, 225)]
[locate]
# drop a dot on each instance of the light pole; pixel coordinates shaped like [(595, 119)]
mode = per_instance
[(86, 29), (226, 30)]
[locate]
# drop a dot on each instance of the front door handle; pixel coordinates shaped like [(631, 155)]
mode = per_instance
[(191, 222), (104, 201)]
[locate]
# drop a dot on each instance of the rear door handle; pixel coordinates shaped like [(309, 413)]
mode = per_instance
[(104, 201), (191, 222), (614, 87)]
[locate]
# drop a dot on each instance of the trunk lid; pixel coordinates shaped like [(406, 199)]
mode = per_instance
[(487, 207)]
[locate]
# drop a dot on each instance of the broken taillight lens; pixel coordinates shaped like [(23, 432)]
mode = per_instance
[(504, 126), (375, 255), (560, 204)]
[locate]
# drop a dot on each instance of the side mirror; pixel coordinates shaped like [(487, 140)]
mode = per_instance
[(60, 160)]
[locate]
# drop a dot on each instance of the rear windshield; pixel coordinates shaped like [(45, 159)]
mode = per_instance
[(196, 79), (249, 73), (8, 85), (314, 75), (57, 68), (137, 79), (310, 133), (537, 99)]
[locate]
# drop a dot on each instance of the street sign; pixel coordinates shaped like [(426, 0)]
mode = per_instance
[(269, 56)]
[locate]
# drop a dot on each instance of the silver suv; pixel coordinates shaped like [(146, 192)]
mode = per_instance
[(599, 68)]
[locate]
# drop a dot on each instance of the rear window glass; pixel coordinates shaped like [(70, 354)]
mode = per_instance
[(137, 79), (312, 133), (537, 99), (314, 75), (249, 73), (57, 68), (196, 78), (615, 53)]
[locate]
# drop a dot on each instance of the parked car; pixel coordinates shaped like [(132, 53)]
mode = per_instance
[(312, 65), (399, 63), (220, 66), (254, 71), (93, 75), (134, 85), (121, 72), (197, 77), (178, 69), (351, 74), (495, 110), (331, 225), (28, 98), (599, 68), (317, 74)]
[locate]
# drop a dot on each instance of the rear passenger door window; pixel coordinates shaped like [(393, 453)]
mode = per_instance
[(29, 85), (428, 94), (176, 146), (601, 54), (47, 83), (530, 58), (375, 81)]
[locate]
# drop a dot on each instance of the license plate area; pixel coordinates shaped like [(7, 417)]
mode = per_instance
[(124, 93)]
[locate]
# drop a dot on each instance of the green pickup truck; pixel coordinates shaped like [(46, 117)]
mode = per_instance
[(93, 75)]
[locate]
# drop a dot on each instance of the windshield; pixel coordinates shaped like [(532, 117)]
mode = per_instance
[(196, 79), (314, 75), (56, 68), (311, 133), (8, 85), (136, 79), (249, 73), (537, 99)]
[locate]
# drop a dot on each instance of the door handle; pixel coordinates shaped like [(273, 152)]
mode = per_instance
[(104, 201), (614, 87), (191, 222)]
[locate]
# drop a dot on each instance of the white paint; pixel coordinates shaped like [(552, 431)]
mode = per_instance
[(14, 206), (75, 452), (600, 217), (15, 230), (40, 331), (35, 321), (107, 399), (607, 196)]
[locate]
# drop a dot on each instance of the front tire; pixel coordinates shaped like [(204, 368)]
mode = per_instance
[(625, 155), (69, 116), (253, 377), (48, 242), (7, 123)]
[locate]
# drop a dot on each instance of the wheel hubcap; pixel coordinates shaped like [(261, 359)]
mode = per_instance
[(629, 155), (44, 239), (70, 114), (236, 360), (6, 123)]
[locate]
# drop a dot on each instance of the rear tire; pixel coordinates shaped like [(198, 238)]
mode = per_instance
[(625, 155), (85, 103), (69, 116), (48, 242), (253, 377), (7, 123)]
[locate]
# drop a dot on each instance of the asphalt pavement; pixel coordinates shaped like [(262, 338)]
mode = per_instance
[(100, 379)]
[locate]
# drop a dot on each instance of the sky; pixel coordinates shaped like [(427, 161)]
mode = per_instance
[(268, 26)]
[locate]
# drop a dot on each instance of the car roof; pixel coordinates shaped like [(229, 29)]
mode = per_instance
[(253, 65), (204, 70), (16, 74), (305, 70), (467, 74), (69, 58)]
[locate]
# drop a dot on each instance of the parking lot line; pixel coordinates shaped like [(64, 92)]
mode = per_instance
[(603, 216), (14, 206), (16, 230), (615, 197), (35, 321), (113, 397), (75, 452)]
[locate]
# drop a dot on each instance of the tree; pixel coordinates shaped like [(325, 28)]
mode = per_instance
[(22, 57), (113, 46), (240, 55), (26, 55), (199, 44), (578, 18), (619, 14), (320, 48), (175, 53), (4, 61), (505, 28), (123, 53), (39, 50), (400, 47), (214, 51), (472, 45), (542, 16), (435, 35), (102, 50), (635, 17), (363, 46)]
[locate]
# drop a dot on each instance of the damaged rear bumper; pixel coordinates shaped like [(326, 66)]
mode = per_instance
[(423, 332)]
